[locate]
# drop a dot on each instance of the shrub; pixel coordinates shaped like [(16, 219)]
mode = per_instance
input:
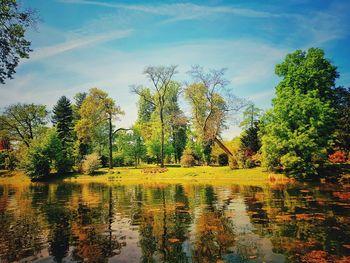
[(233, 163), (46, 154), (337, 157), (91, 163), (296, 166), (223, 159), (187, 158), (256, 158)]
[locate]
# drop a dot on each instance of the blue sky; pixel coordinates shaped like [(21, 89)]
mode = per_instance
[(81, 44)]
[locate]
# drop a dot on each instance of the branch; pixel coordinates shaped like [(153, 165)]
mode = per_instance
[(122, 129)]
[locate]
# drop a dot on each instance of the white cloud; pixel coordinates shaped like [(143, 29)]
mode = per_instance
[(180, 11), (113, 71), (79, 42)]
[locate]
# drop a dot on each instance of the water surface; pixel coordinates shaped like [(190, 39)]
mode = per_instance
[(92, 222)]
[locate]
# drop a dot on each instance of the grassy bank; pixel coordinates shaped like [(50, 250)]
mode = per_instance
[(202, 175)]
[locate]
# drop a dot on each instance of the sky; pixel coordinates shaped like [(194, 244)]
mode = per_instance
[(80, 44)]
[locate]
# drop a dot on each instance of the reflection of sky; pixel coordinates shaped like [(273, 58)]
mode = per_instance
[(247, 242), (108, 44)]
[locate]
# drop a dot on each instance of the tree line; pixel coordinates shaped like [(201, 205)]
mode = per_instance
[(306, 128)]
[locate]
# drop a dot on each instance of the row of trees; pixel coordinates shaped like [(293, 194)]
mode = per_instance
[(161, 132), (308, 121)]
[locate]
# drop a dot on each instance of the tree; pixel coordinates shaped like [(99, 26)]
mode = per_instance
[(46, 154), (23, 122), (251, 115), (296, 133), (161, 79), (13, 44), (342, 106), (211, 103), (131, 146), (98, 112), (63, 120)]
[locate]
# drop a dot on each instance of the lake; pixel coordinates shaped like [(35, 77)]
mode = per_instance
[(192, 222)]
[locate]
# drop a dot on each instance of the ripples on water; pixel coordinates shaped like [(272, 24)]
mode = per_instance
[(174, 223)]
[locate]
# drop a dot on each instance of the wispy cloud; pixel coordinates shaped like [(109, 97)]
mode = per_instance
[(179, 11), (77, 42)]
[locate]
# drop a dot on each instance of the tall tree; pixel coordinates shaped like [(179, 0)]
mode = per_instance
[(13, 44), (98, 111), (23, 122), (62, 118), (297, 131), (211, 103), (251, 116), (342, 105), (161, 79)]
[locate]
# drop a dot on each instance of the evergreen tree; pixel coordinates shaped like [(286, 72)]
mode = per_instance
[(63, 120)]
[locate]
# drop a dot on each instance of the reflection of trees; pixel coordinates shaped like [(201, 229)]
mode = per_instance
[(20, 237), (163, 230), (91, 244), (214, 232), (299, 221)]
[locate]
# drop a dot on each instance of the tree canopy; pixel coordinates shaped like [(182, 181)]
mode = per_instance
[(13, 44)]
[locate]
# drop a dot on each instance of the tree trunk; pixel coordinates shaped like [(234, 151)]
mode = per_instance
[(223, 147), (110, 138), (162, 139)]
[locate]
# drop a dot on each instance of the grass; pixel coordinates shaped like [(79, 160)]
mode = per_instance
[(194, 175), (201, 174)]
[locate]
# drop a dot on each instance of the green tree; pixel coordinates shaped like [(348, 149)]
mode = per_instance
[(211, 103), (98, 112), (342, 105), (44, 155), (250, 116), (176, 122), (131, 146), (13, 24), (161, 79), (297, 131), (23, 122), (62, 118)]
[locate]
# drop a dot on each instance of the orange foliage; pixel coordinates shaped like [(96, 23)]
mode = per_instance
[(337, 157), (342, 195)]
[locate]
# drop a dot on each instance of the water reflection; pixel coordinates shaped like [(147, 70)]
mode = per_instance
[(174, 223)]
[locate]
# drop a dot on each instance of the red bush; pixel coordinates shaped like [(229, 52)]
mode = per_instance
[(337, 157)]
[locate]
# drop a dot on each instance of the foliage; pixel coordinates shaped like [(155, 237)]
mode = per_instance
[(23, 122), (187, 158), (91, 163), (131, 147), (14, 45), (161, 78), (342, 106), (8, 160), (223, 159), (45, 155), (62, 118), (338, 157), (97, 114), (250, 139), (251, 116), (296, 133)]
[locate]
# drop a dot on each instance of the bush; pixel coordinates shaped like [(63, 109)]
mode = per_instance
[(46, 154), (90, 163), (187, 158), (296, 167), (233, 163), (223, 159), (337, 157), (38, 165)]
